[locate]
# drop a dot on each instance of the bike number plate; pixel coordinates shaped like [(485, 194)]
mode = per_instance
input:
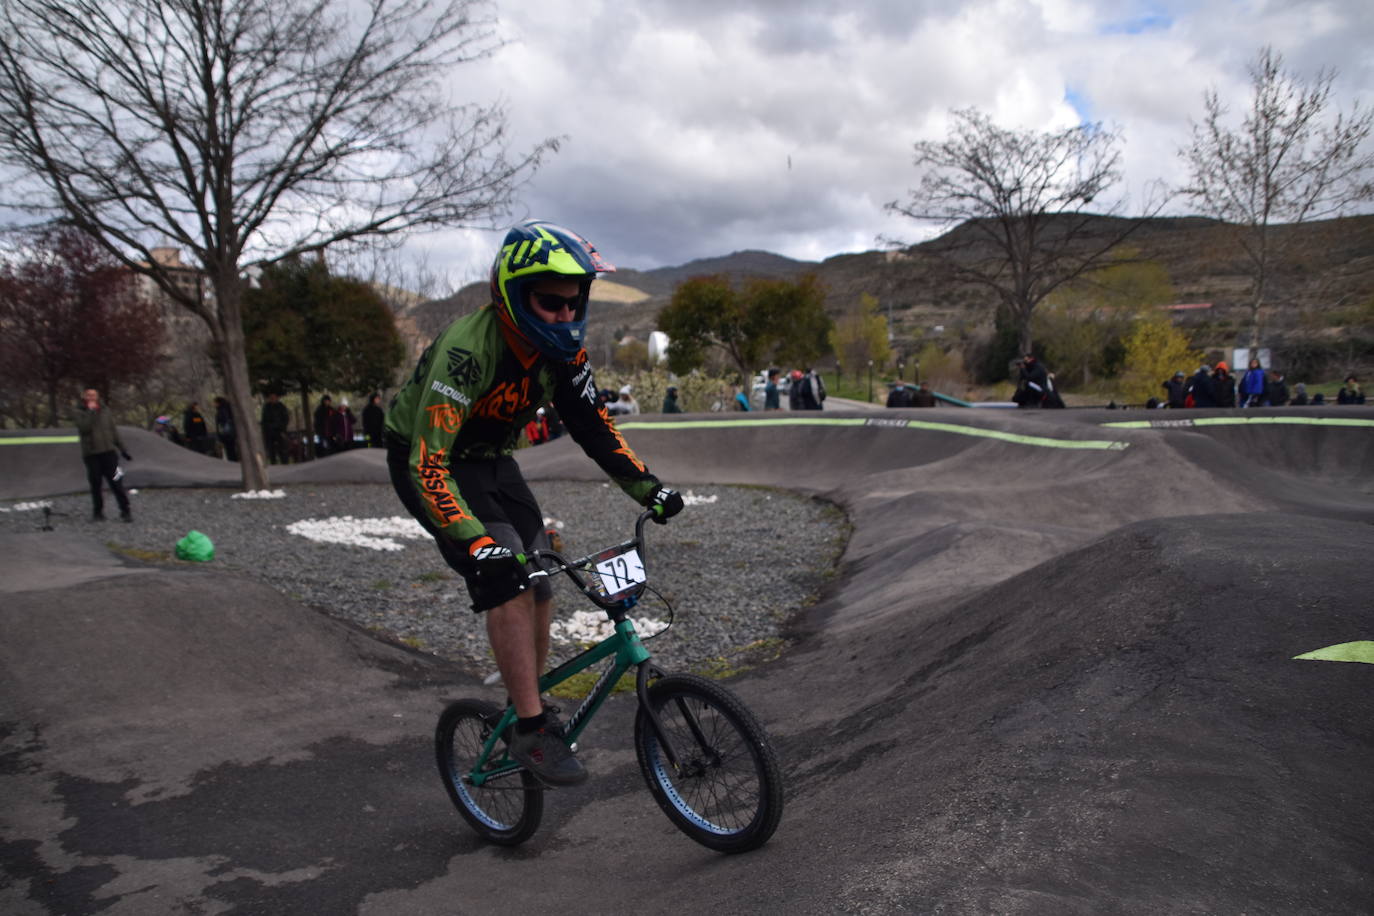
[(621, 572)]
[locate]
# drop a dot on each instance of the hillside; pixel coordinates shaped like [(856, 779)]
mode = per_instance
[(1320, 285)]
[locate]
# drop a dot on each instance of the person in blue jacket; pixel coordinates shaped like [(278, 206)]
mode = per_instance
[(1252, 386)]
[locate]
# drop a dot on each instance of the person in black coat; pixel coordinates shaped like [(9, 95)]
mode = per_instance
[(1033, 383), (275, 420), (899, 396), (224, 429), (1223, 386), (1200, 387), (374, 421), (1276, 389), (1177, 390), (194, 428)]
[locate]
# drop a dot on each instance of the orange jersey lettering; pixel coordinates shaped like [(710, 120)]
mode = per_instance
[(504, 401), (445, 417), (434, 485)]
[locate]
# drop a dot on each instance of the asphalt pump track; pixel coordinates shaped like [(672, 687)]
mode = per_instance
[(1073, 662)]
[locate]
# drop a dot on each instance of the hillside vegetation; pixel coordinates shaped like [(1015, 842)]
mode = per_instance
[(1322, 292)]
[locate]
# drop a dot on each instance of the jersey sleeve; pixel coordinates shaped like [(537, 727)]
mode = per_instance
[(592, 428), (429, 415)]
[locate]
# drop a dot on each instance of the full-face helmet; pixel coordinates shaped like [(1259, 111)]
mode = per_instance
[(536, 250)]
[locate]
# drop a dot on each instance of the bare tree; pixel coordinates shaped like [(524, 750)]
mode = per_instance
[(248, 131), (1288, 163), (1015, 198)]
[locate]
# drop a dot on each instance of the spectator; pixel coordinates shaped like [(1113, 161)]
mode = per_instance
[(611, 400), (374, 421), (740, 399), (164, 427), (537, 430), (1200, 390), (195, 429), (274, 421), (812, 391), (341, 426), (224, 429), (324, 413), (1223, 386), (1032, 383), (772, 399), (1252, 386), (1276, 390), (1350, 393), (555, 422), (1299, 395), (627, 399), (1177, 390), (100, 450), (1052, 398), (900, 395), (794, 391), (923, 396), (670, 404)]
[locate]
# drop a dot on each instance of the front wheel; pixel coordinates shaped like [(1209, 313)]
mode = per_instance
[(505, 810), (726, 791)]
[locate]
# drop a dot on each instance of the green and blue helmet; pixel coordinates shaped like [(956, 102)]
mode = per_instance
[(532, 251)]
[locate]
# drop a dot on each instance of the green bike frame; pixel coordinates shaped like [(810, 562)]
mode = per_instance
[(624, 644)]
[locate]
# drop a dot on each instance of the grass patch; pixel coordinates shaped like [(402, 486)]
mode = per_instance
[(138, 553), (580, 684), (382, 585), (433, 576), (758, 652)]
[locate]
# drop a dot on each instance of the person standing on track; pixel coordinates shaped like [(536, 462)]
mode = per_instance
[(450, 433), (100, 449)]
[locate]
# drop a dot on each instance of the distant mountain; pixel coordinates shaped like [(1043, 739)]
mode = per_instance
[(663, 280), (1327, 267)]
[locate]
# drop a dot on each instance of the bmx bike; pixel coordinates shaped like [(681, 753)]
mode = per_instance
[(706, 759)]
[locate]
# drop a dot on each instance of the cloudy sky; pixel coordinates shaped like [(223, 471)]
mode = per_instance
[(697, 128)]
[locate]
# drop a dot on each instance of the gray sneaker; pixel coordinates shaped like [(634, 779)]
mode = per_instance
[(546, 755)]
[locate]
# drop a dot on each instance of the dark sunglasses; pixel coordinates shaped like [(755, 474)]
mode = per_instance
[(552, 302)]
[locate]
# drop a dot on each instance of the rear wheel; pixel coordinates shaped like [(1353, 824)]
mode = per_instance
[(726, 791), (504, 810)]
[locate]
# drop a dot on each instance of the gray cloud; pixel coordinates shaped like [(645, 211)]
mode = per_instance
[(699, 129)]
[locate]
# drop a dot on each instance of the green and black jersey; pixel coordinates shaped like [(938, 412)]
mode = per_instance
[(472, 393)]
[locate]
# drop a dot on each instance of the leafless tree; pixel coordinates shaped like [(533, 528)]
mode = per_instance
[(1289, 162), (1013, 200), (247, 131)]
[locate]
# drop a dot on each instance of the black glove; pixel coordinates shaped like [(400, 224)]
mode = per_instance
[(127, 456), (493, 564), (665, 502)]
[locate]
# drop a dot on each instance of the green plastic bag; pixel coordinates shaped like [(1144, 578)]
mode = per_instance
[(195, 546)]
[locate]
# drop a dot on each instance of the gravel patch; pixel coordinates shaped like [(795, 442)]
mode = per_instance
[(735, 566)]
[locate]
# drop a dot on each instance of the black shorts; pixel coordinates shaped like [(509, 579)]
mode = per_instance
[(499, 498)]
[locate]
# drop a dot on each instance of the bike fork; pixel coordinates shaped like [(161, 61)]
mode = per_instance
[(642, 675)]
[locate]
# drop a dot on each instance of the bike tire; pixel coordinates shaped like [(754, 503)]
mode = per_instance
[(727, 792), (506, 812)]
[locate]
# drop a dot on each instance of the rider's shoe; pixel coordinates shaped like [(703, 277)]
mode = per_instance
[(552, 721), (545, 754)]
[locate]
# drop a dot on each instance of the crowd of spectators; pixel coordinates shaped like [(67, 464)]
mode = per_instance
[(1215, 386), (334, 429)]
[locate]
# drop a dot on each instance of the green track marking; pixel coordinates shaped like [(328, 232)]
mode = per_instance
[(1038, 441), (1360, 651), (1349, 422), (38, 440)]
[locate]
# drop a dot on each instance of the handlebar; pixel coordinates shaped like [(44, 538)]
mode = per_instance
[(591, 573)]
